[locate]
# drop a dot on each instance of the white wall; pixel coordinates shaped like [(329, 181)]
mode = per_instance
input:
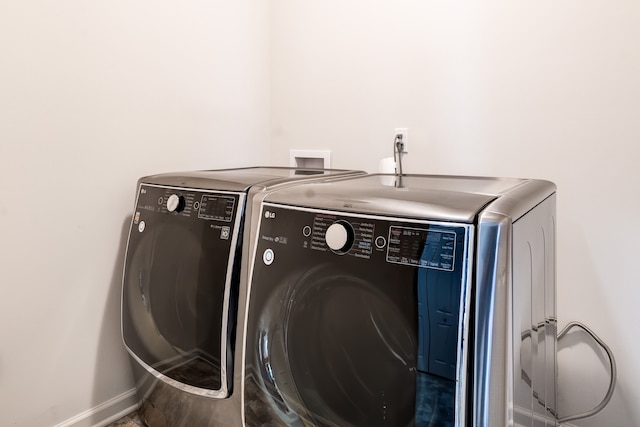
[(94, 95), (528, 89)]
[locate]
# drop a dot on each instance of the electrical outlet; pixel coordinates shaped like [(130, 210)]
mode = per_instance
[(405, 137)]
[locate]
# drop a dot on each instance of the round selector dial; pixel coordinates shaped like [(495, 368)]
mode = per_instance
[(175, 203), (339, 237)]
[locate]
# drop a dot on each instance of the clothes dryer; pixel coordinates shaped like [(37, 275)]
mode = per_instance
[(180, 287), (403, 301)]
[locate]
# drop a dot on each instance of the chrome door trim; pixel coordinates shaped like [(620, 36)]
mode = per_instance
[(492, 329)]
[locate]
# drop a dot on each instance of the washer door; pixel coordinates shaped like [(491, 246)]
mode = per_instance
[(363, 335), (344, 353), (177, 292)]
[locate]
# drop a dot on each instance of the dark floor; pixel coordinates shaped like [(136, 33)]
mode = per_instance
[(435, 399), (131, 420)]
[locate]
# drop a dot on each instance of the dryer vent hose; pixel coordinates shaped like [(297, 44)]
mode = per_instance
[(613, 372)]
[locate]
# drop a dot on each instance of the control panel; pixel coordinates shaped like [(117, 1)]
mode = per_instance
[(418, 244), (205, 205)]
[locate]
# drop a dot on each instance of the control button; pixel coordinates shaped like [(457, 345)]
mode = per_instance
[(339, 237), (175, 203), (267, 256), (380, 242), (306, 231), (225, 232), (141, 226)]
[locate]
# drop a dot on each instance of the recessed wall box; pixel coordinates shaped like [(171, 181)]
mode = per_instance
[(310, 159)]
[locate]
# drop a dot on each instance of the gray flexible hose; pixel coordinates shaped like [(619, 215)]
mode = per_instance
[(614, 371)]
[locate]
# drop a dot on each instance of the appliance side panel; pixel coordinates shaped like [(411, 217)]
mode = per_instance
[(492, 394), (534, 317), (551, 313), (525, 338)]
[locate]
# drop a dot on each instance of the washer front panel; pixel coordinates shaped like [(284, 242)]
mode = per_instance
[(368, 334), (177, 285)]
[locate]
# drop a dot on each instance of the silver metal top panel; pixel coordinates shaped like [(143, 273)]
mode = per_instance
[(241, 179), (451, 198)]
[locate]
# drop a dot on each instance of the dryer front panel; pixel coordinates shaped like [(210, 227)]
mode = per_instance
[(356, 320), (177, 285)]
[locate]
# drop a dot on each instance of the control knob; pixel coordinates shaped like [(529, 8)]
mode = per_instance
[(339, 237), (175, 203)]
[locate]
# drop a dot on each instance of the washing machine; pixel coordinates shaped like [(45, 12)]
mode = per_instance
[(180, 288), (412, 300)]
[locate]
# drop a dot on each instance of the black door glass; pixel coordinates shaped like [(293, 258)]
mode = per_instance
[(351, 354)]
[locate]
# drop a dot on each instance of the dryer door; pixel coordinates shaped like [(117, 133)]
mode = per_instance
[(177, 287), (354, 321)]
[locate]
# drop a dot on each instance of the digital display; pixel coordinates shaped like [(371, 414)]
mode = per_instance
[(217, 208), (422, 248)]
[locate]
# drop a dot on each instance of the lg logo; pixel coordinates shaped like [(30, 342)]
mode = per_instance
[(268, 214)]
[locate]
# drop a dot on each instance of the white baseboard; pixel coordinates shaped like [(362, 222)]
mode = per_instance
[(106, 412)]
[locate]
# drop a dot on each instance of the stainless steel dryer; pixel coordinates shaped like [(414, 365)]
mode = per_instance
[(180, 286), (403, 301)]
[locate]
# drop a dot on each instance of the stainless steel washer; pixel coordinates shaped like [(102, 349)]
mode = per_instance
[(398, 301)]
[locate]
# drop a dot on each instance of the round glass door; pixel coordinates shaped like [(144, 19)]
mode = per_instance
[(336, 350)]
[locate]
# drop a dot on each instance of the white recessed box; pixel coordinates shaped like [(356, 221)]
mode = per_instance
[(310, 158)]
